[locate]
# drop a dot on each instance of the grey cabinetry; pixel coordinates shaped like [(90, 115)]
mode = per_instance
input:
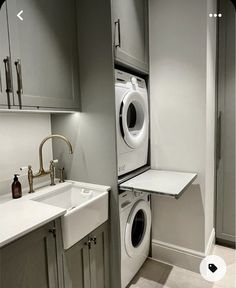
[(99, 265), (86, 263), (44, 54), (131, 33), (76, 265), (5, 76), (30, 261)]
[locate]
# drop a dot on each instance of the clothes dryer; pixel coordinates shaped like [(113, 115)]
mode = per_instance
[(132, 122)]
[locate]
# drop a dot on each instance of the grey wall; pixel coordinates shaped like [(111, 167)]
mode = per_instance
[(182, 95), (92, 131), (21, 134), (210, 121)]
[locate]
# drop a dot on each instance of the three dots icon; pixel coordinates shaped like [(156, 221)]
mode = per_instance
[(215, 15)]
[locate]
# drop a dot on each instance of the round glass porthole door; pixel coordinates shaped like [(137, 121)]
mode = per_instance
[(134, 119), (138, 227)]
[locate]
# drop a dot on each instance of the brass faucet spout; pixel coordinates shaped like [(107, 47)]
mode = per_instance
[(51, 170), (41, 169)]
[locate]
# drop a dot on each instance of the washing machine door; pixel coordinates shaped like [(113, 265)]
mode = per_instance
[(138, 227), (134, 119)]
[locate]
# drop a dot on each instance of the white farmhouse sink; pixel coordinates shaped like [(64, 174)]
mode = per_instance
[(86, 205)]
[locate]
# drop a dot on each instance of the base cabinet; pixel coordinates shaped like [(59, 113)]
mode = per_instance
[(86, 263), (30, 261)]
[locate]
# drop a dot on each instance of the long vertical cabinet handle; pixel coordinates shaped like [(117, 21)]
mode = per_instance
[(117, 24), (219, 135), (0, 81), (19, 82), (9, 89)]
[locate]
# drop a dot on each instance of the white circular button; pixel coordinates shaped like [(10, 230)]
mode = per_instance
[(213, 268), (133, 80), (137, 194)]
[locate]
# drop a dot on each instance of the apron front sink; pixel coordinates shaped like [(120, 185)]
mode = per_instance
[(86, 205)]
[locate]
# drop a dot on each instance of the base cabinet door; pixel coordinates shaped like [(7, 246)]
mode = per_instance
[(76, 265), (30, 262), (86, 263), (99, 265)]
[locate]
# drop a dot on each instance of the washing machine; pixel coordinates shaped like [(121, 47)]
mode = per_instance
[(132, 121), (135, 229)]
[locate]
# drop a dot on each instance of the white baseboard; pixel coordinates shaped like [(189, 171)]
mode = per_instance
[(180, 256), (210, 243)]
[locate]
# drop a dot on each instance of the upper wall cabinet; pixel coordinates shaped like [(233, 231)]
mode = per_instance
[(5, 76), (131, 33), (44, 54)]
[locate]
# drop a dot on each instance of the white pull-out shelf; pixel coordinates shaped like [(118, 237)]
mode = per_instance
[(161, 182)]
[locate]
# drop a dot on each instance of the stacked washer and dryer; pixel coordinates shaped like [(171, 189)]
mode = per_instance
[(132, 125)]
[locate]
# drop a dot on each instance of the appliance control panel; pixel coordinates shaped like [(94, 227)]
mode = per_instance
[(127, 198), (138, 193), (123, 79)]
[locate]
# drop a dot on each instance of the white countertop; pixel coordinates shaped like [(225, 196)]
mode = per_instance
[(18, 218), (21, 216), (168, 183)]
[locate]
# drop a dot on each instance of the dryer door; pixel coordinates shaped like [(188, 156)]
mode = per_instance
[(134, 119), (138, 227)]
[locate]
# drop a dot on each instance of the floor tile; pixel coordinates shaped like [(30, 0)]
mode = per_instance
[(145, 283), (154, 271), (155, 274), (229, 279), (181, 278), (228, 254)]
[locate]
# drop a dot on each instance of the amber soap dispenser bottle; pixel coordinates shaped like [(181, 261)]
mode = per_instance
[(16, 188)]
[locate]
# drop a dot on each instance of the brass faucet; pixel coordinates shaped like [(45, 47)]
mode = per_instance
[(51, 170)]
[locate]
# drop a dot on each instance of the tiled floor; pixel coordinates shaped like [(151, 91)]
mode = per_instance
[(155, 274)]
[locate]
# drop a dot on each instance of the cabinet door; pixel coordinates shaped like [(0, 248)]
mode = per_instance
[(44, 53), (131, 33), (226, 196), (99, 261), (5, 96), (76, 265), (30, 261)]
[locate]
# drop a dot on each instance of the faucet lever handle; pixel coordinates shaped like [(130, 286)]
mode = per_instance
[(30, 179), (52, 171), (62, 178)]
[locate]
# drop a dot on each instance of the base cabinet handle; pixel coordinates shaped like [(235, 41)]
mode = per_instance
[(53, 231), (88, 244), (94, 240)]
